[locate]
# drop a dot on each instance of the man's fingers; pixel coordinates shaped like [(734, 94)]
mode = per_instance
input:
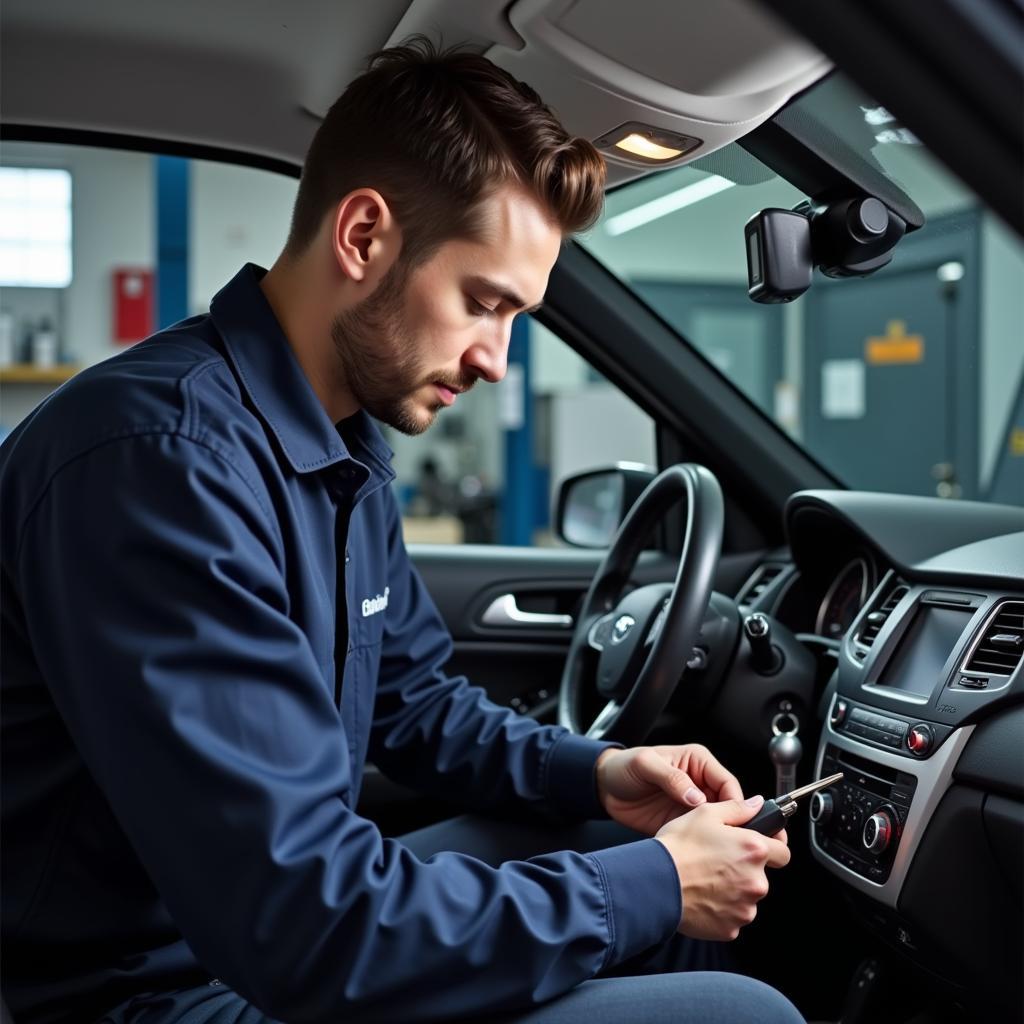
[(714, 779), (674, 781), (737, 812), (730, 789), (778, 853)]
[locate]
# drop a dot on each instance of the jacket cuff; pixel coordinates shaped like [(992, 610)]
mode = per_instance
[(570, 784), (642, 895)]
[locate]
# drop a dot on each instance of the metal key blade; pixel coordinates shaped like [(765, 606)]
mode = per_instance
[(810, 788)]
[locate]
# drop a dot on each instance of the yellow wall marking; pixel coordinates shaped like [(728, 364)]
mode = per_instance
[(1017, 441), (895, 346)]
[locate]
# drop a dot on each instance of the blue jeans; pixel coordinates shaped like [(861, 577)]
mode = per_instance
[(682, 982)]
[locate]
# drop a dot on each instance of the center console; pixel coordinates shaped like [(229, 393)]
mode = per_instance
[(866, 828), (915, 671)]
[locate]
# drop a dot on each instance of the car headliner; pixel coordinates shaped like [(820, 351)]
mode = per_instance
[(253, 78), (237, 75)]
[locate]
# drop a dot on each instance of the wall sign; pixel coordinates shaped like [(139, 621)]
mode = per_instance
[(133, 304), (895, 346)]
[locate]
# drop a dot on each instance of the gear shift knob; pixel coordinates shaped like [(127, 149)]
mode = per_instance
[(764, 658)]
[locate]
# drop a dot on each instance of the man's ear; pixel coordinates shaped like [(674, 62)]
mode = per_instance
[(366, 239)]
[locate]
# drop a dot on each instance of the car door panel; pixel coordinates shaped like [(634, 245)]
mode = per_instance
[(518, 659)]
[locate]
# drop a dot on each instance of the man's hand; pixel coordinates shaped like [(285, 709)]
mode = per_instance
[(721, 867), (644, 788)]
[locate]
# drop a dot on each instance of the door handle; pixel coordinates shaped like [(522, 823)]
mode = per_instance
[(504, 611)]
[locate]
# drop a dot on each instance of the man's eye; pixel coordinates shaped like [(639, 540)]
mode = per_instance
[(479, 309)]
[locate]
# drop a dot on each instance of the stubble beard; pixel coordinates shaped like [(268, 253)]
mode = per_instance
[(376, 351)]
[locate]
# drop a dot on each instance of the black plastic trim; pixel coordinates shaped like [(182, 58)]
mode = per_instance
[(951, 70), (800, 158), (927, 539), (994, 758), (144, 144), (959, 919)]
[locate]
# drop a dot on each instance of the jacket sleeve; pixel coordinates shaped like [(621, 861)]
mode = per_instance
[(443, 736), (198, 707)]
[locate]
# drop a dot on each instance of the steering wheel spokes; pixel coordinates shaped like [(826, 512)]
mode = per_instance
[(606, 716), (659, 623), (630, 649), (600, 632)]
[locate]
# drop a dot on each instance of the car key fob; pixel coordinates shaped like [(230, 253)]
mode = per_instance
[(773, 813)]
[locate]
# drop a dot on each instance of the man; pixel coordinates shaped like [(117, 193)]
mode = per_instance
[(210, 621)]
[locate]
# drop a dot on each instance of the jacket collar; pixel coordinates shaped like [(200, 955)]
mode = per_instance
[(277, 386)]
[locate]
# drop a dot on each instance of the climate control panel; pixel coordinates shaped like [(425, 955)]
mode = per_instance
[(860, 820)]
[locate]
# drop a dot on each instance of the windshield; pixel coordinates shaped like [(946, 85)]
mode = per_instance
[(910, 380)]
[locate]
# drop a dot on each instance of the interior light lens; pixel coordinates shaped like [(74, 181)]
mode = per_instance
[(640, 145)]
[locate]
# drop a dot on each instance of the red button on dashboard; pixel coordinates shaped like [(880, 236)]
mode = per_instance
[(919, 739)]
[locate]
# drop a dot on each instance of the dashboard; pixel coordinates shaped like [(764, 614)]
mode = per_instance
[(845, 597), (916, 606), (824, 596)]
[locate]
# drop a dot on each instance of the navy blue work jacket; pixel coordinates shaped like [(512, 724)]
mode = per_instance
[(179, 783)]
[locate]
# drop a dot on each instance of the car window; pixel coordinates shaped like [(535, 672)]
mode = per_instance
[(488, 470), (910, 380), (151, 239)]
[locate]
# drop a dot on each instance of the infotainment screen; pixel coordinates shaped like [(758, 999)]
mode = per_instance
[(917, 663)]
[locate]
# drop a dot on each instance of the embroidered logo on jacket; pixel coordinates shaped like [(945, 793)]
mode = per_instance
[(372, 605)]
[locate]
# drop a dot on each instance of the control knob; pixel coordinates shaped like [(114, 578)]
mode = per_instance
[(839, 710), (877, 832), (920, 740), (821, 807)]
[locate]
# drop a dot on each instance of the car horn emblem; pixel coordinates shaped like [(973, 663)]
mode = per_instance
[(623, 624)]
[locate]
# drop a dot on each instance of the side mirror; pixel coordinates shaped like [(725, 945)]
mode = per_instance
[(591, 506)]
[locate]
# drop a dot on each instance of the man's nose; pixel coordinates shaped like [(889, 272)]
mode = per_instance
[(488, 358)]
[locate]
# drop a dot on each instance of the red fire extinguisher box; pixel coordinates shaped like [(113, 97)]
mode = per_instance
[(133, 304)]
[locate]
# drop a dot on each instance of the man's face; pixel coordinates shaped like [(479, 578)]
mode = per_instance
[(423, 337)]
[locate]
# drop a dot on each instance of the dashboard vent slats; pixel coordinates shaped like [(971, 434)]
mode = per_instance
[(875, 620), (764, 576), (1001, 646)]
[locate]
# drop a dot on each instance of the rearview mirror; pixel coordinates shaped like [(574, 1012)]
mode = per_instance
[(845, 237), (591, 506)]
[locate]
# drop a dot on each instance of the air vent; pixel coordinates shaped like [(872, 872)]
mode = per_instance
[(999, 651), (763, 577), (874, 621)]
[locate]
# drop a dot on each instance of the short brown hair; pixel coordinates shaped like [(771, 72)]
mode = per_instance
[(435, 132)]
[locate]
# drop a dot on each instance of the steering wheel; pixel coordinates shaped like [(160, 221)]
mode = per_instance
[(634, 648)]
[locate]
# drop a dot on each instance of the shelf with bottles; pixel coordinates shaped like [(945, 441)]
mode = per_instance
[(27, 373), (30, 350)]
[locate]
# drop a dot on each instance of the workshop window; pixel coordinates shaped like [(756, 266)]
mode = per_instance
[(35, 227)]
